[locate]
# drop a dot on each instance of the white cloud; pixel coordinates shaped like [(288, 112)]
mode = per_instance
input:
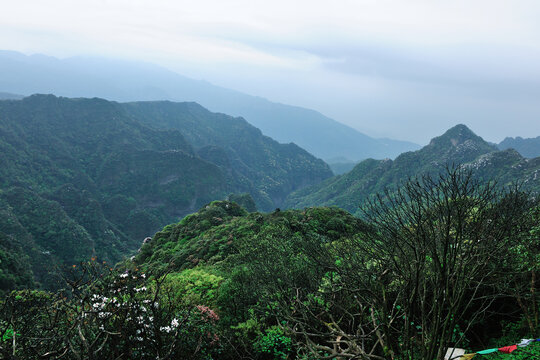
[(344, 57)]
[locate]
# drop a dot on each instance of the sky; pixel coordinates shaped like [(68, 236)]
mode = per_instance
[(406, 70)]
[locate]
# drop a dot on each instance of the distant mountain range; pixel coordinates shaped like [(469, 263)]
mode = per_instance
[(8, 96), (130, 81), (90, 177), (459, 145), (529, 148)]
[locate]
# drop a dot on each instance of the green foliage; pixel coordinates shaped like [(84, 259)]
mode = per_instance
[(228, 282), (194, 286), (457, 146), (107, 315), (225, 256), (53, 230), (261, 166), (240, 285), (15, 268), (244, 200), (274, 344), (88, 177)]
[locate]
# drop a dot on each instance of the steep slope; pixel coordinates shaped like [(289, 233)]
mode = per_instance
[(459, 145), (261, 166), (68, 155), (64, 160), (83, 177), (130, 81), (529, 147)]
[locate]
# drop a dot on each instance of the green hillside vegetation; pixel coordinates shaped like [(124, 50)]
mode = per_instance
[(459, 145), (260, 165), (407, 258), (439, 263), (84, 178)]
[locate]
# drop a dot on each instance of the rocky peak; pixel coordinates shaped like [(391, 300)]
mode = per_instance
[(460, 139)]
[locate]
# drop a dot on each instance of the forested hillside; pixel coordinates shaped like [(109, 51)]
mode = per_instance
[(458, 146), (260, 165), (84, 177), (445, 262), (445, 259)]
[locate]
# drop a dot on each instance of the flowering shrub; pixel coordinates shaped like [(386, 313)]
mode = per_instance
[(106, 315)]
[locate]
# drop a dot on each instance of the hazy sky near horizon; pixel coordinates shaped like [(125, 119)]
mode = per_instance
[(401, 69)]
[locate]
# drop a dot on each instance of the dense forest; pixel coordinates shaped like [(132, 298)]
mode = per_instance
[(445, 261), (88, 177), (252, 249)]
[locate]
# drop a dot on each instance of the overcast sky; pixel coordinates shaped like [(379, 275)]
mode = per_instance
[(394, 68)]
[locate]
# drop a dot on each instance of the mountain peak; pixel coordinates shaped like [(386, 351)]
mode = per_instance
[(458, 145), (457, 136)]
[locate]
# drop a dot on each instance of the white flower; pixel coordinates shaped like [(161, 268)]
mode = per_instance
[(175, 323), (167, 329), (103, 315)]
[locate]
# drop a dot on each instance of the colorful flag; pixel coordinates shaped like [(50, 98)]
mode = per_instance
[(508, 349), (525, 342), (488, 351)]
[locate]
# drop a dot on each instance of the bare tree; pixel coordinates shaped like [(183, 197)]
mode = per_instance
[(425, 268), (440, 241)]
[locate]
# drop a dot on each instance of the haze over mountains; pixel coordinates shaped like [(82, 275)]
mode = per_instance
[(529, 147), (87, 179), (90, 177), (457, 146), (132, 81), (224, 180)]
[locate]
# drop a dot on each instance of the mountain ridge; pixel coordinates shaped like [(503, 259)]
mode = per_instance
[(85, 178), (130, 81), (528, 147), (457, 146)]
